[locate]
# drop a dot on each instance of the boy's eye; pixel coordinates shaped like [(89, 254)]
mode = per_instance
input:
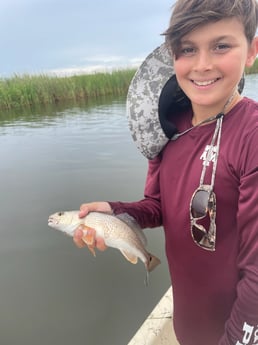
[(221, 47), (187, 51)]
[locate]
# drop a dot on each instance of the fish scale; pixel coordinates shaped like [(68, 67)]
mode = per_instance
[(113, 229)]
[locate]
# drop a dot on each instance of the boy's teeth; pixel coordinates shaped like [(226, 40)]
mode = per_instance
[(204, 83)]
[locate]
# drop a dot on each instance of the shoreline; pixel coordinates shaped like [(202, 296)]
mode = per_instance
[(27, 91)]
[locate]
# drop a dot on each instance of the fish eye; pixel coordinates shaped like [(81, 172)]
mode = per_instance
[(60, 214)]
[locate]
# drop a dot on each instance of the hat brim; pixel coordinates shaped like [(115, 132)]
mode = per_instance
[(143, 101)]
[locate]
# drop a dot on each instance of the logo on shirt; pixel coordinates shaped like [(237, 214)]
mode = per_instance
[(250, 336), (209, 155)]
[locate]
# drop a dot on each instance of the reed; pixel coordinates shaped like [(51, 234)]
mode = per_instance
[(33, 90), (29, 91), (253, 69)]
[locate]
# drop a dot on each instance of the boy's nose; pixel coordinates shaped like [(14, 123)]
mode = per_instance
[(203, 62)]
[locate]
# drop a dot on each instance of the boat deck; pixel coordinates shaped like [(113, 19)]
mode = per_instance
[(157, 329)]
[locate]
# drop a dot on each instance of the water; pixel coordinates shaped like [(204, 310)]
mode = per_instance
[(52, 293), (251, 86)]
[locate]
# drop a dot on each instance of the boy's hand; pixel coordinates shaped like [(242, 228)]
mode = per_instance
[(80, 239)]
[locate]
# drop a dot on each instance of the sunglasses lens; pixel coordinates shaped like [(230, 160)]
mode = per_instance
[(203, 239), (203, 213), (200, 203), (198, 233)]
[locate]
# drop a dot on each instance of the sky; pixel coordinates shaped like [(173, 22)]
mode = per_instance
[(68, 37)]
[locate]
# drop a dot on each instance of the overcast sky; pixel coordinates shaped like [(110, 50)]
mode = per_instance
[(38, 36)]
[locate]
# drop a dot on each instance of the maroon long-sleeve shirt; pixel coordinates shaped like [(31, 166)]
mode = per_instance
[(215, 293)]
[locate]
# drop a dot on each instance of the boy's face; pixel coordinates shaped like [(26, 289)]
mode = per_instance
[(210, 63)]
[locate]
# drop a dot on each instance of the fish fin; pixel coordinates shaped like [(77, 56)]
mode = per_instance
[(89, 240), (92, 250), (130, 257), (152, 263)]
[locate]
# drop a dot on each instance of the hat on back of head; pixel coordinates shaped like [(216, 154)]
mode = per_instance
[(143, 100)]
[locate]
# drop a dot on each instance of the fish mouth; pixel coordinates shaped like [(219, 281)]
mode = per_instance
[(52, 221)]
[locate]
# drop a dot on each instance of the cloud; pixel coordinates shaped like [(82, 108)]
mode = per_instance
[(106, 64), (103, 58), (53, 34)]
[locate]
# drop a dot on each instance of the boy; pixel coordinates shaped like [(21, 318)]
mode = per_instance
[(202, 187)]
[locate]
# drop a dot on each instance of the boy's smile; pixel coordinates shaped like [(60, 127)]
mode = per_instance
[(210, 64), (204, 83)]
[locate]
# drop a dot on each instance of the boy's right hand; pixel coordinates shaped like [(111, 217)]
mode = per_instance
[(97, 242)]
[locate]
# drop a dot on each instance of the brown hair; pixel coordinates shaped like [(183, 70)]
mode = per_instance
[(189, 14)]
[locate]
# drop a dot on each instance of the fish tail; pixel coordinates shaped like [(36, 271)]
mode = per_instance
[(152, 263)]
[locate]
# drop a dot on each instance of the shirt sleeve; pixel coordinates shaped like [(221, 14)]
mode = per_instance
[(242, 326), (147, 212)]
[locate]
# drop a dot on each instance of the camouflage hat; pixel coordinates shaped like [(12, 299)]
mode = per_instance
[(153, 96), (143, 101)]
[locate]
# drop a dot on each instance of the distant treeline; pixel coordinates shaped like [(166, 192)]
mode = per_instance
[(34, 90)]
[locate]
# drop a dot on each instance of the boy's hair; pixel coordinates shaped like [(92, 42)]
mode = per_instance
[(189, 14)]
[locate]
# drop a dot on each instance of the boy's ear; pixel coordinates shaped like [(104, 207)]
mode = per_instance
[(252, 53)]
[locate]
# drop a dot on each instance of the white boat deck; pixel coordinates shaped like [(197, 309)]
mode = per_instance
[(157, 329)]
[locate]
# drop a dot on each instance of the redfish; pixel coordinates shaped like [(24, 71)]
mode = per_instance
[(121, 232)]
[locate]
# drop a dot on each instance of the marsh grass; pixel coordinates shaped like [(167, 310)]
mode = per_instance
[(253, 69), (29, 91), (32, 90)]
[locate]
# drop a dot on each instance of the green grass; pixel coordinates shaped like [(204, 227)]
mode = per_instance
[(29, 91), (253, 69), (33, 90)]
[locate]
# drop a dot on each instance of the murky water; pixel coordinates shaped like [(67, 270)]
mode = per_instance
[(52, 293)]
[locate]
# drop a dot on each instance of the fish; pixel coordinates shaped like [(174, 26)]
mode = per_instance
[(118, 231)]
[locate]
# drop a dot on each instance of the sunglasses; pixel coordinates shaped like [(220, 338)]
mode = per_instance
[(203, 211), (203, 201)]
